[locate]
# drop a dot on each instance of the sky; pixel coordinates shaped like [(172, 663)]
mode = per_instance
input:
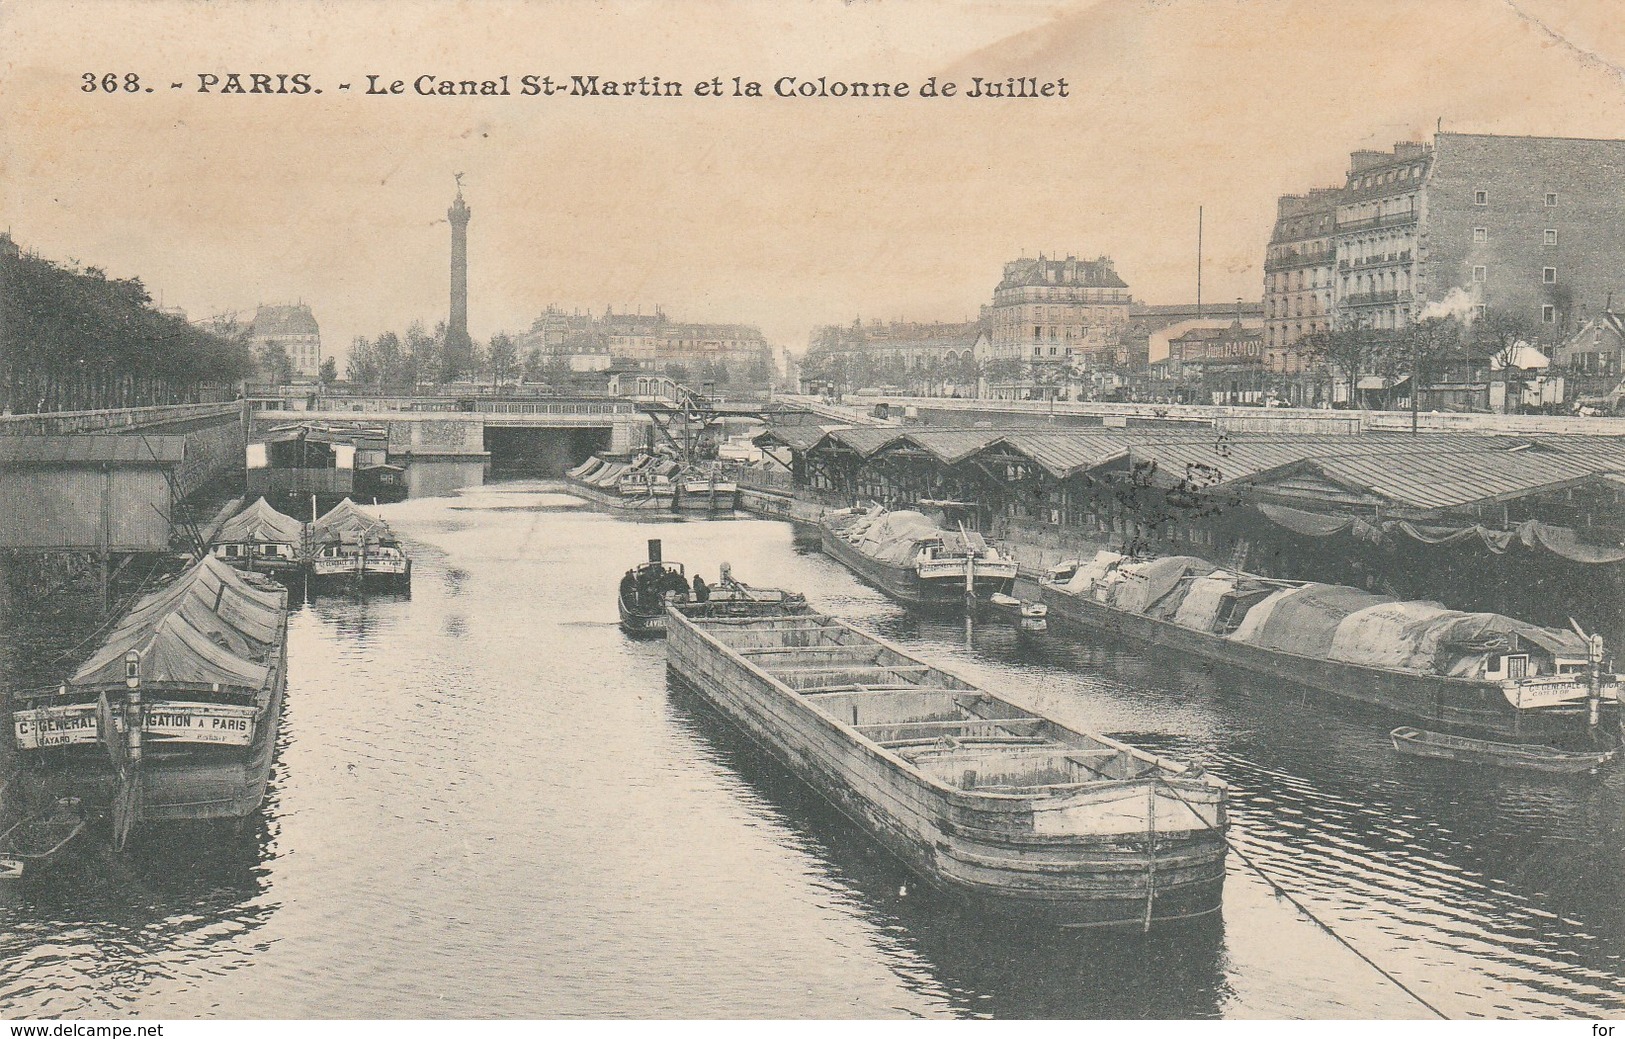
[(783, 213)]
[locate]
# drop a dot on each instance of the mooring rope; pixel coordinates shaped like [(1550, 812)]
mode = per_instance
[(114, 615), (1282, 892)]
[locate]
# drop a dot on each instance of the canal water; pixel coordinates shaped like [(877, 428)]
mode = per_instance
[(488, 802)]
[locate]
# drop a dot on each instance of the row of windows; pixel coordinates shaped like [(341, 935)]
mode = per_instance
[(1370, 179), (1058, 313), (1028, 293), (1481, 197), (1310, 279), (1548, 275), (1055, 332), (1481, 236), (1297, 306)]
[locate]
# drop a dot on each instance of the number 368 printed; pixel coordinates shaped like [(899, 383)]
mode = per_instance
[(110, 83)]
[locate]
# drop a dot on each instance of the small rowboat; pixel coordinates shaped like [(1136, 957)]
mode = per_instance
[(1533, 756), (39, 840), (1028, 617)]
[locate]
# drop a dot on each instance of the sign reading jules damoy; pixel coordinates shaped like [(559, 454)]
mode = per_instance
[(225, 724)]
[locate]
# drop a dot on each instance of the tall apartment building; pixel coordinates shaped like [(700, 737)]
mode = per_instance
[(1051, 311), (1530, 225), (1378, 233), (293, 327), (1534, 226), (1299, 271)]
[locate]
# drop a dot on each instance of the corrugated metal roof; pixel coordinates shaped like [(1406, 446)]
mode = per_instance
[(946, 445), (865, 440), (1061, 454), (93, 449), (1232, 459), (797, 436), (1459, 478)]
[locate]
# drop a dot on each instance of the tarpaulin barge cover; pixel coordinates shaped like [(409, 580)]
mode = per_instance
[(1469, 672), (198, 669)]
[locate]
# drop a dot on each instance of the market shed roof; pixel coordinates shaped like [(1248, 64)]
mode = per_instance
[(1426, 483)]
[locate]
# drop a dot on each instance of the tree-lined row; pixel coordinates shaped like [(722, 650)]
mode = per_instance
[(854, 369), (394, 363), (1436, 350), (77, 340)]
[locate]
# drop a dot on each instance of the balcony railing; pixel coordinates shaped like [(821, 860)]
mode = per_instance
[(1369, 299), (1403, 256), (1290, 261), (1386, 220)]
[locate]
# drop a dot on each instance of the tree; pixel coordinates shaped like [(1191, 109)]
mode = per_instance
[(1002, 369), (422, 358), (363, 367), (275, 365), (556, 370), (760, 370), (1498, 336), (678, 371), (329, 371), (71, 339), (391, 361), (1351, 351), (502, 358), (535, 366), (1429, 349)]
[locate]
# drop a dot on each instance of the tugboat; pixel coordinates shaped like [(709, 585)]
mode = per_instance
[(645, 591), (649, 589)]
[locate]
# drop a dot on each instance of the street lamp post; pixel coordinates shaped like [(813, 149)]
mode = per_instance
[(1415, 335)]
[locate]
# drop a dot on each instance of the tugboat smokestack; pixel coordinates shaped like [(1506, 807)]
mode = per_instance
[(654, 550)]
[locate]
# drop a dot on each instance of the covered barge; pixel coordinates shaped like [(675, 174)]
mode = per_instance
[(175, 716), (907, 556), (1475, 673)]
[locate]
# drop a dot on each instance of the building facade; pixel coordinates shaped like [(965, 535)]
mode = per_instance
[(650, 342), (1530, 227), (1533, 226), (1217, 364), (1299, 274), (1052, 312), (293, 328), (1379, 222)]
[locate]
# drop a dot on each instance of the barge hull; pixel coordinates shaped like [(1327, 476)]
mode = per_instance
[(613, 500), (1455, 703), (902, 583), (960, 844)]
